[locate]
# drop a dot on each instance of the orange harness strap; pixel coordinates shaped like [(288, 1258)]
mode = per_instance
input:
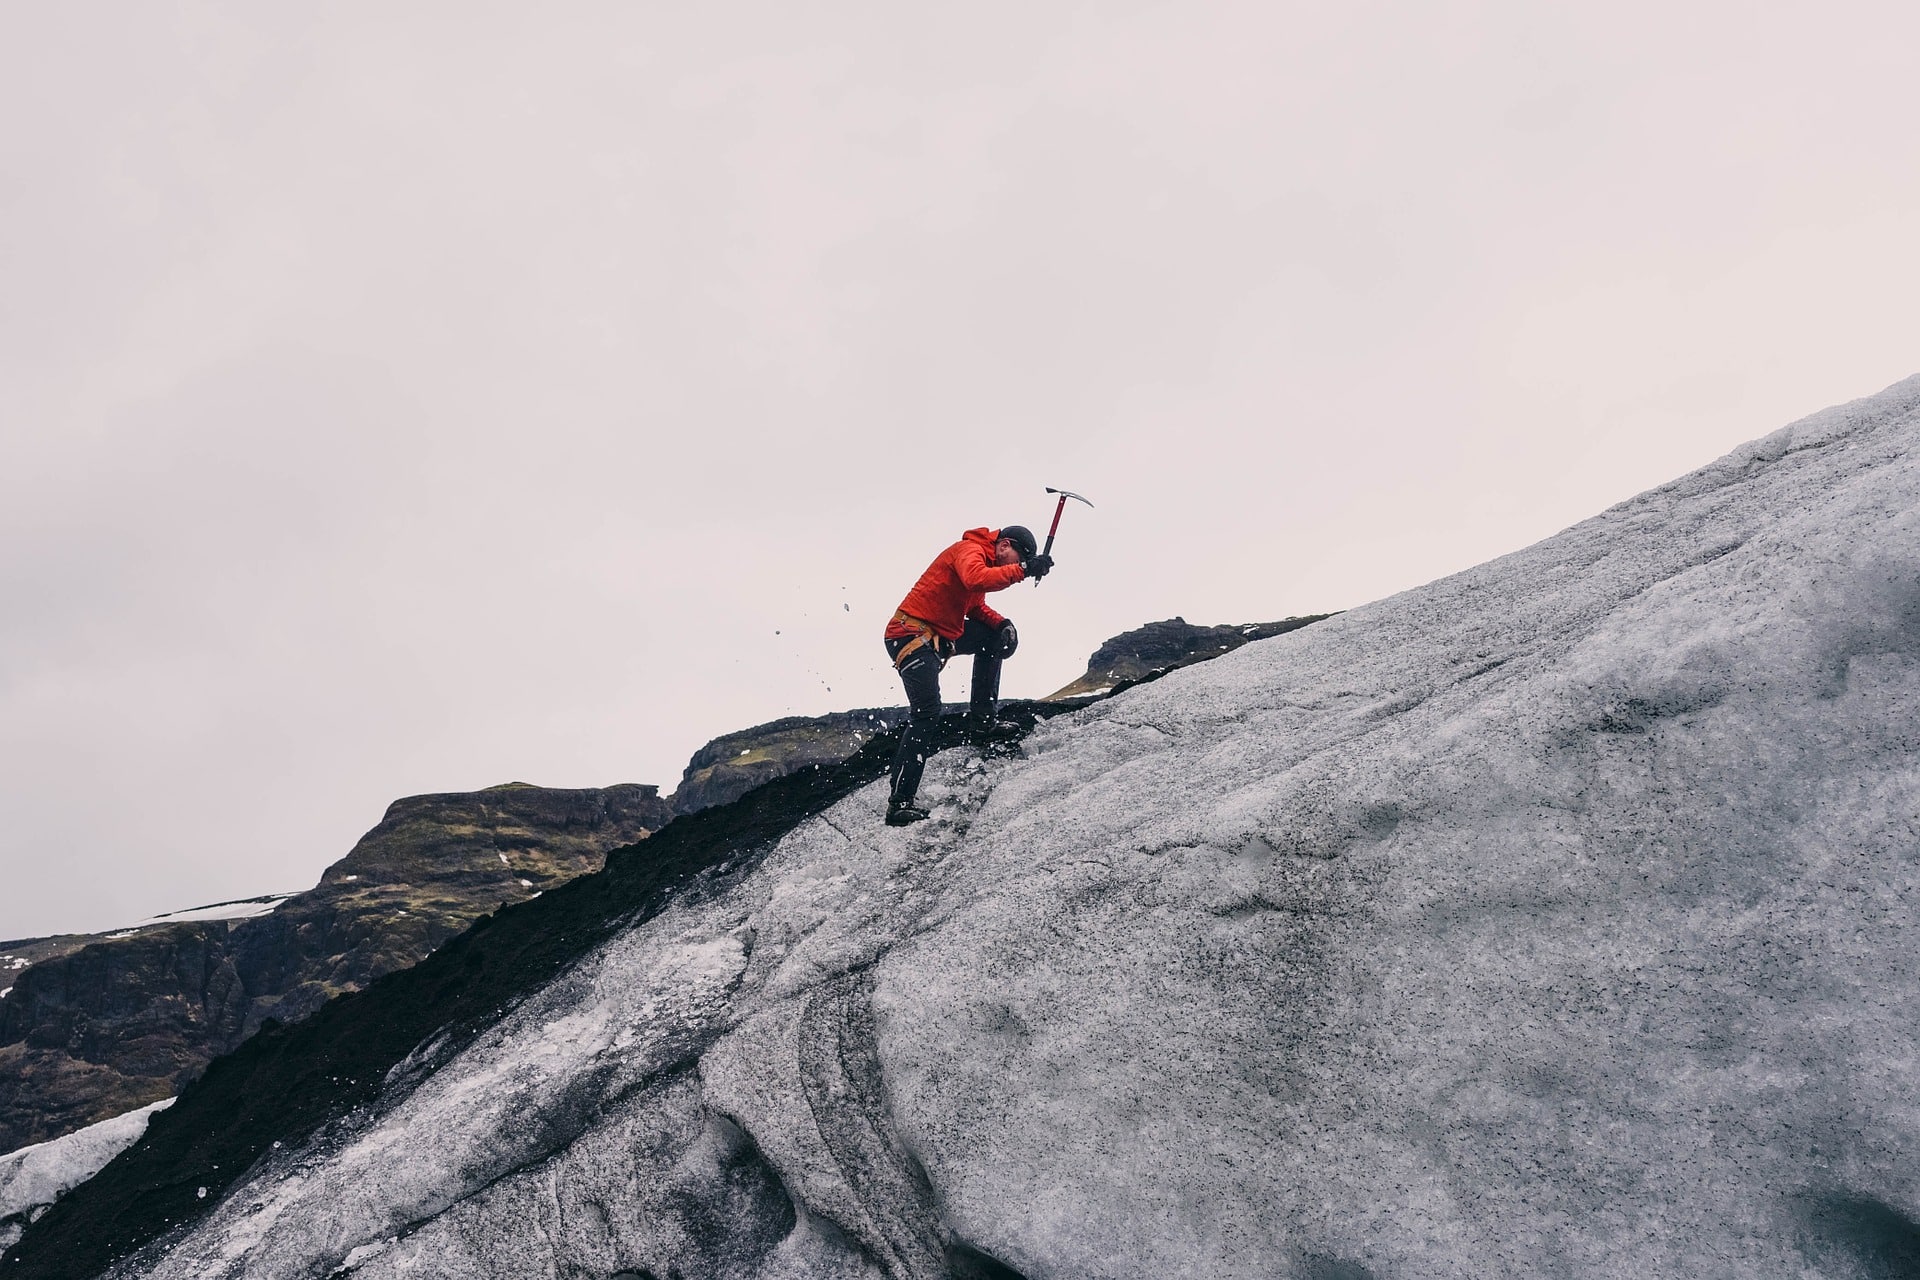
[(923, 634)]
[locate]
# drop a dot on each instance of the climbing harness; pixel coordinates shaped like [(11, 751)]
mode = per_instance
[(924, 636)]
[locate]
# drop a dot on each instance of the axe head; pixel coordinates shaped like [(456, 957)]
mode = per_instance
[(1068, 493)]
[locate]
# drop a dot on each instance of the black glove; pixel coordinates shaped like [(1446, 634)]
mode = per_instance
[(1006, 642), (1038, 566)]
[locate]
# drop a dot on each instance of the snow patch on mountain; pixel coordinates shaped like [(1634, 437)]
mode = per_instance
[(240, 909), (31, 1178), (1556, 918)]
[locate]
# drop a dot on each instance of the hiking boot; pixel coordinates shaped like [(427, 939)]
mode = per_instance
[(994, 739), (902, 815)]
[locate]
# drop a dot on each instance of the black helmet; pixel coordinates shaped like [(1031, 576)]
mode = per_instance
[(1022, 537)]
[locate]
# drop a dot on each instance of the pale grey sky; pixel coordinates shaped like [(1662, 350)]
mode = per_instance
[(401, 398)]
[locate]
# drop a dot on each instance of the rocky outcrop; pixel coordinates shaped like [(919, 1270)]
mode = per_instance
[(114, 1025), (734, 764), (1166, 646), (433, 865), (94, 1027), (1554, 919)]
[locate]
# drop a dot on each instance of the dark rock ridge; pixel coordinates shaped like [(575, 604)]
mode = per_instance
[(735, 763), (94, 1027), (1165, 646)]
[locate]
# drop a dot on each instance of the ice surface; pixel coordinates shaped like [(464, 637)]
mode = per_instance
[(33, 1177), (1553, 919)]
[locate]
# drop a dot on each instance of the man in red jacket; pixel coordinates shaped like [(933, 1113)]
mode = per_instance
[(946, 613)]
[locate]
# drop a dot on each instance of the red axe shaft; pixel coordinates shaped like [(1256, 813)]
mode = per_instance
[(1058, 509)]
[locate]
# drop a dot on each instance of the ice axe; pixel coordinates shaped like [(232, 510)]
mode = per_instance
[(1058, 508)]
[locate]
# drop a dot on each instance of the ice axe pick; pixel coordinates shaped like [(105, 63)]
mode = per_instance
[(1055, 528)]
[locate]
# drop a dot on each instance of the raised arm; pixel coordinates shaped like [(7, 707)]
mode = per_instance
[(978, 572)]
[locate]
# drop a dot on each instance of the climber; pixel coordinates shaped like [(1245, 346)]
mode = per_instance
[(946, 613)]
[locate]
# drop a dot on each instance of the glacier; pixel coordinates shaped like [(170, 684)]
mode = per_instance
[(1552, 919), (33, 1177)]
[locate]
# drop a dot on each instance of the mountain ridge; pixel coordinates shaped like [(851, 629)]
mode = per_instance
[(97, 1026)]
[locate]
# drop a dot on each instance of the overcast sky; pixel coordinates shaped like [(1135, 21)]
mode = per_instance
[(413, 397)]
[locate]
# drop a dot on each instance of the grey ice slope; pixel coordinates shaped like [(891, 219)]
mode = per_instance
[(1553, 919)]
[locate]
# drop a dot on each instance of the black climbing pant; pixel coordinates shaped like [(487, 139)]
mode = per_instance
[(920, 673)]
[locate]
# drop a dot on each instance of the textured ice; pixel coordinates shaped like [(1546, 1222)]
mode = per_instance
[(32, 1178), (1553, 919)]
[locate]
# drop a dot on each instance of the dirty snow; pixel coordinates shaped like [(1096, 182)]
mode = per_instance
[(32, 1178), (1553, 919)]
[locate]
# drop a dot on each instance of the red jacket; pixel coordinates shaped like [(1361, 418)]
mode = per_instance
[(955, 585)]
